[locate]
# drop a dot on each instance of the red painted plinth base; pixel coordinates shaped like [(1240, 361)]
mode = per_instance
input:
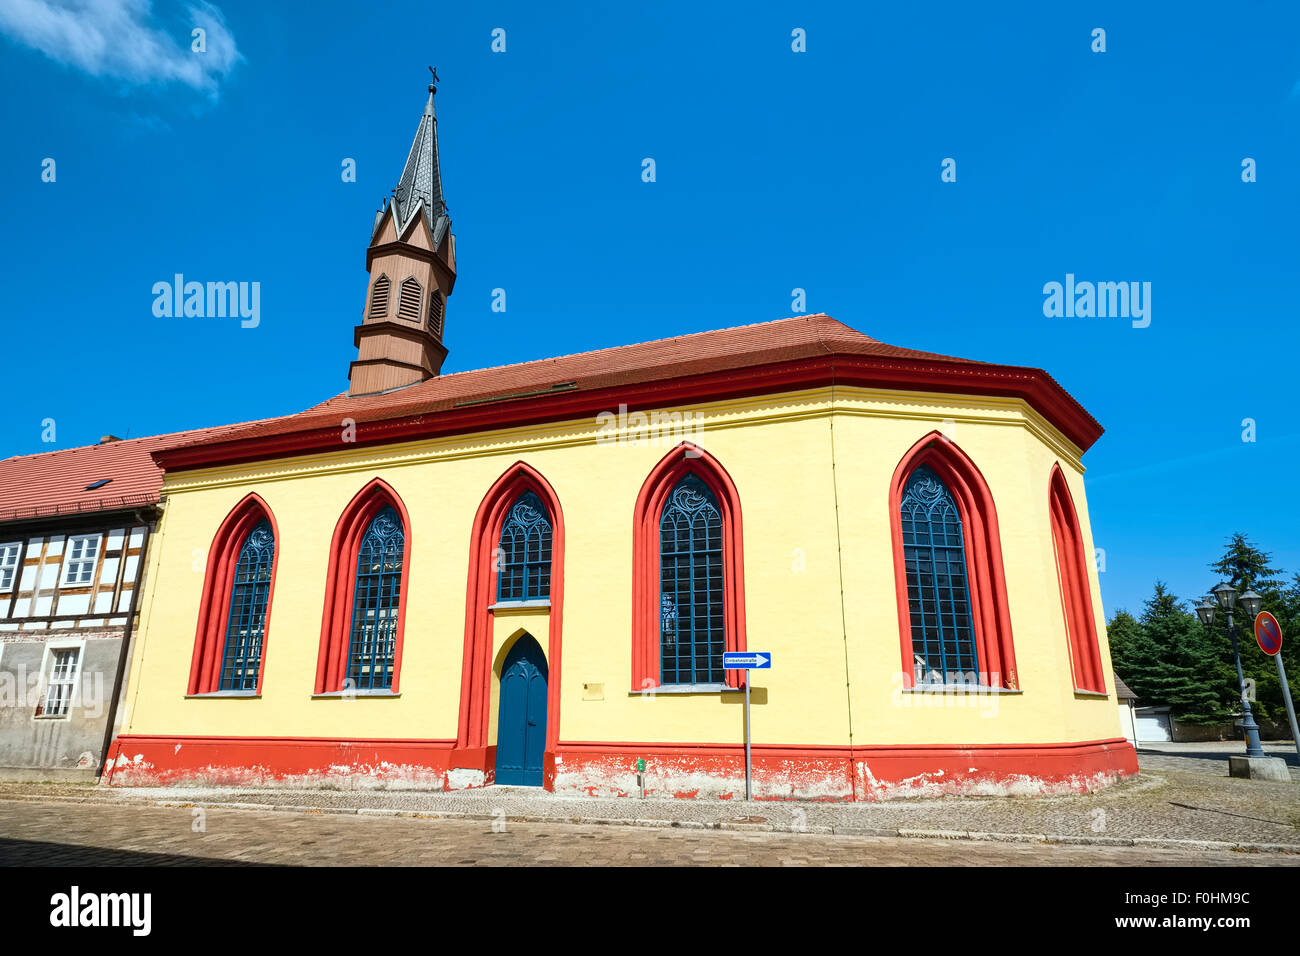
[(601, 769), (280, 761), (842, 773)]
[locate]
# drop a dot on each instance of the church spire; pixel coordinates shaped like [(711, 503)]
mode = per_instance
[(412, 265), (421, 182)]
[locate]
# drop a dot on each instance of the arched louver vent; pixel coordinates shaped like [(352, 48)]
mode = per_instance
[(408, 303), (379, 298), (435, 314)]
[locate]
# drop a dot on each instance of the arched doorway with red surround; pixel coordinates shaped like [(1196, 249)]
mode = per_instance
[(523, 701), (474, 756)]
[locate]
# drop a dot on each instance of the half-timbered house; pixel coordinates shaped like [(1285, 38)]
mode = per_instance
[(75, 527)]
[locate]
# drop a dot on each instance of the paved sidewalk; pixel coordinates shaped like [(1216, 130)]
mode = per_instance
[(1210, 756), (1162, 808)]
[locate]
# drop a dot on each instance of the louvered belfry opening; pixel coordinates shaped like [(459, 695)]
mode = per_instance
[(408, 301), (435, 313), (379, 299)]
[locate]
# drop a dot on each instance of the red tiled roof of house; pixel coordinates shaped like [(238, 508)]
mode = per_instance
[(533, 389), (55, 482)]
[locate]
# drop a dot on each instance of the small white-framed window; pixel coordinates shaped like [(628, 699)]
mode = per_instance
[(63, 680), (9, 565), (79, 565)]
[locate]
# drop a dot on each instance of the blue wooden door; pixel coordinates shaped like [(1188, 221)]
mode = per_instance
[(521, 718)]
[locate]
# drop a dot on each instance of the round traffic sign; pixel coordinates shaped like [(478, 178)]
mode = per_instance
[(1268, 633)]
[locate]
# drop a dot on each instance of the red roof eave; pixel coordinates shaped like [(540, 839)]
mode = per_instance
[(1033, 385)]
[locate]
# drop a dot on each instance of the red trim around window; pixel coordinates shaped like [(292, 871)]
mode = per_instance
[(1076, 596), (480, 595), (341, 580), (990, 613), (685, 458), (214, 603)]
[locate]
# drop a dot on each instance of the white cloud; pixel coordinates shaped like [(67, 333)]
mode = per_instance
[(121, 39)]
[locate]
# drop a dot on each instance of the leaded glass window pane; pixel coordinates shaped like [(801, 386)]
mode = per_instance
[(524, 572), (691, 635), (246, 625), (377, 596), (938, 593)]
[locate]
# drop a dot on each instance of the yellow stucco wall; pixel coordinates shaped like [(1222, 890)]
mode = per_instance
[(801, 516)]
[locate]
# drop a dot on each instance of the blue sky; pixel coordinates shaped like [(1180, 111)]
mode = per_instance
[(775, 170)]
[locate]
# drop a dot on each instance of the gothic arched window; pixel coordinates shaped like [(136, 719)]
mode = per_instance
[(372, 643), (688, 573), (938, 592), (235, 605), (525, 556), (365, 595), (691, 633), (246, 623), (954, 622)]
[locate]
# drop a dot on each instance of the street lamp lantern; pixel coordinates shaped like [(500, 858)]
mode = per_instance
[(1252, 603), (1205, 611), (1226, 595)]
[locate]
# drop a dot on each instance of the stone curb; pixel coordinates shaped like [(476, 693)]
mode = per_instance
[(725, 826)]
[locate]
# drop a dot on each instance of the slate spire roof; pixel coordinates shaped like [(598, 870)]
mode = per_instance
[(421, 182)]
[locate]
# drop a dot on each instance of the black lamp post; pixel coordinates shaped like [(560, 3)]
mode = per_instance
[(1226, 596)]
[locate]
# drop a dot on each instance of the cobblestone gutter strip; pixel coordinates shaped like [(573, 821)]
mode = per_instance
[(890, 832)]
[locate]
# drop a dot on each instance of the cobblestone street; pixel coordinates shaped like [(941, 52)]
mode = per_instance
[(1182, 809), (61, 834)]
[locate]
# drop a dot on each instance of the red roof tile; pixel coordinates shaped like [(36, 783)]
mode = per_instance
[(749, 359), (54, 482), (741, 347), (665, 360)]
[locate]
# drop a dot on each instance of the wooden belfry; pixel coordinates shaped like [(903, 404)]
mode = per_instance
[(412, 266)]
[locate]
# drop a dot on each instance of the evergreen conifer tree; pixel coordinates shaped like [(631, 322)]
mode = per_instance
[(1182, 673), (1245, 567)]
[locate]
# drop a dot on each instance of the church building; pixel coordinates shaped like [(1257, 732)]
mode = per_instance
[(529, 574)]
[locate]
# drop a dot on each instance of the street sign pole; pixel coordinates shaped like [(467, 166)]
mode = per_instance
[(749, 768), (1286, 695), (752, 660), (1268, 635)]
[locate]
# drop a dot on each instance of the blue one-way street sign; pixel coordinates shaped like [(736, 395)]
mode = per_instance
[(750, 660)]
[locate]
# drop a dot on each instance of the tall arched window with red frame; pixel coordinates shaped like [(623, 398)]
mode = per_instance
[(1075, 587), (497, 519), (365, 595), (688, 585), (235, 604), (948, 573)]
